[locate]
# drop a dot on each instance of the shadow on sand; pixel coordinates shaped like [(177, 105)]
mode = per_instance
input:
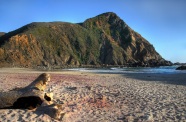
[(175, 79)]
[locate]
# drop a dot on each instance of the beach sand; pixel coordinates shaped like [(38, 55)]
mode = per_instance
[(105, 97)]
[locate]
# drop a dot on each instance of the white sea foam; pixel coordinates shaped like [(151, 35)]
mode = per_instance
[(162, 69)]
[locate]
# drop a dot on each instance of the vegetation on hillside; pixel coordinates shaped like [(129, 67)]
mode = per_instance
[(101, 40)]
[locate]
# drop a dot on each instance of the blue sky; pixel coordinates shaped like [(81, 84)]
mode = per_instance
[(161, 22)]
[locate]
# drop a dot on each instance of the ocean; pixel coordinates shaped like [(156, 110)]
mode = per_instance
[(161, 70)]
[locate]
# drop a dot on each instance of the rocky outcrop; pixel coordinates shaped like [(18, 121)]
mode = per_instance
[(183, 67), (102, 40)]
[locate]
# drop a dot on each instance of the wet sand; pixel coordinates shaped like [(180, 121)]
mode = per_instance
[(95, 97)]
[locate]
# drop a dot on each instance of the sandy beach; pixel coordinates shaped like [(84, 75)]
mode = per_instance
[(103, 97)]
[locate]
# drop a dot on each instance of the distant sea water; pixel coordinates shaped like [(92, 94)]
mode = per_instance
[(162, 70)]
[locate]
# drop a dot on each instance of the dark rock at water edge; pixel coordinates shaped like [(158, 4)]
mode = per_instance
[(183, 67)]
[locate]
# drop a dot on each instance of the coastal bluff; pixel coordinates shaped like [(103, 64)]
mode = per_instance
[(99, 41)]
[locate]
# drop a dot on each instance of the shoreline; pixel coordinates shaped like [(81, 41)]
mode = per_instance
[(170, 78), (103, 96)]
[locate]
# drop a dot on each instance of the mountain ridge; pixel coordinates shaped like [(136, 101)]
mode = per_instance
[(102, 40)]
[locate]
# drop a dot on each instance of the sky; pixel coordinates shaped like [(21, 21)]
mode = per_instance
[(161, 22)]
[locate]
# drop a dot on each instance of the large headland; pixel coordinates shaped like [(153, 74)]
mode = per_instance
[(104, 40)]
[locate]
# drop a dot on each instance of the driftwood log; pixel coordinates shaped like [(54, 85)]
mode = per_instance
[(32, 97)]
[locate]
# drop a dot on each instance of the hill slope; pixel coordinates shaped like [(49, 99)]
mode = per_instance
[(2, 33), (104, 39)]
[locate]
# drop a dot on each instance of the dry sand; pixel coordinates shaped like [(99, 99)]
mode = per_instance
[(93, 97)]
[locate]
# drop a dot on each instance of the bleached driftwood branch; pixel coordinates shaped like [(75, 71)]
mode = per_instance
[(31, 97)]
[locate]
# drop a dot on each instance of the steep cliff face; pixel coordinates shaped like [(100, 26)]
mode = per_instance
[(121, 45), (104, 39)]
